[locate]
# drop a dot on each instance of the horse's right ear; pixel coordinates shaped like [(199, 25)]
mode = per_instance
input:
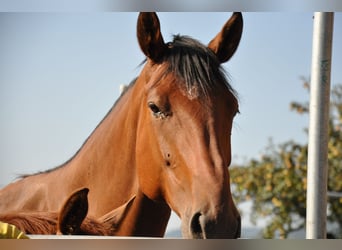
[(149, 36), (73, 212)]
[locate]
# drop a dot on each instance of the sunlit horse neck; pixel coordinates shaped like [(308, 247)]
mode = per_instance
[(165, 144)]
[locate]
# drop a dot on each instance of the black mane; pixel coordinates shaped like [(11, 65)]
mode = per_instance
[(196, 65)]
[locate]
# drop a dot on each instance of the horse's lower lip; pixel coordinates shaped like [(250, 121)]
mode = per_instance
[(238, 231)]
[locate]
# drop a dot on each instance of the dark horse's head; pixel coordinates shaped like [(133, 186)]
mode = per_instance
[(184, 127)]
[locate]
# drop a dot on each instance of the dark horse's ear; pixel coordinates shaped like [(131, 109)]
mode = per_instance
[(149, 36), (226, 42), (73, 212)]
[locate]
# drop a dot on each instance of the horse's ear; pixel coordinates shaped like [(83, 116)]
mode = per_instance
[(73, 213), (226, 42), (149, 36)]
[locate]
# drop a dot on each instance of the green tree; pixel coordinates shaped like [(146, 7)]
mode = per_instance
[(276, 183)]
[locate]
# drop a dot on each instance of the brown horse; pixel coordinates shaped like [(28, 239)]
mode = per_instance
[(166, 142)]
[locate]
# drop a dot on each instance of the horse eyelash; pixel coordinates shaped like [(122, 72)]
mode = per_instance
[(154, 108), (157, 113)]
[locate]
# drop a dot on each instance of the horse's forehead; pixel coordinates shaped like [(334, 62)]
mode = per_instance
[(167, 85), (175, 87)]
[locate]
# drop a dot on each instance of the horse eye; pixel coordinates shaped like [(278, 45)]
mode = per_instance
[(154, 108)]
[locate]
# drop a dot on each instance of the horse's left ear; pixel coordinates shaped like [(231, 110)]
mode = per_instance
[(226, 42), (149, 36)]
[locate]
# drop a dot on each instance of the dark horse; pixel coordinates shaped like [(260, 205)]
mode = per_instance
[(165, 144)]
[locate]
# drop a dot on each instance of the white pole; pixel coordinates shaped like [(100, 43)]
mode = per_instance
[(318, 127)]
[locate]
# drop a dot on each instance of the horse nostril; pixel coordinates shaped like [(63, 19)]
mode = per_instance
[(196, 228)]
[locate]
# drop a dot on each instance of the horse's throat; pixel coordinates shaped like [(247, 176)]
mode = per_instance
[(145, 218)]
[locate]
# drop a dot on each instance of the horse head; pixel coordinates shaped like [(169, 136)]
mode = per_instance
[(184, 127)]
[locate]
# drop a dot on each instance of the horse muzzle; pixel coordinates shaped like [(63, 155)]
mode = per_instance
[(203, 226)]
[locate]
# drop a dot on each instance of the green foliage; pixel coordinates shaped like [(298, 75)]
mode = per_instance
[(276, 183)]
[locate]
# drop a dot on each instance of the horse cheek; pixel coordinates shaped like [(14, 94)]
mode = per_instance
[(148, 170)]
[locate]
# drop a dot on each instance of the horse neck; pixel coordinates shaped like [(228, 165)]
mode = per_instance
[(145, 218), (106, 161), (105, 164)]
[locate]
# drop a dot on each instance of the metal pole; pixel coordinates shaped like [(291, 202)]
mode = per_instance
[(318, 127)]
